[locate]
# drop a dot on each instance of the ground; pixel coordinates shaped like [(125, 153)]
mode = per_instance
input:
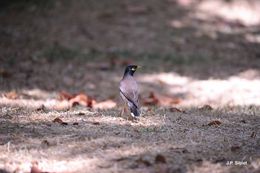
[(199, 86)]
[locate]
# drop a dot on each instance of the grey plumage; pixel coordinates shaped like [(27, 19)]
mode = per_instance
[(129, 90)]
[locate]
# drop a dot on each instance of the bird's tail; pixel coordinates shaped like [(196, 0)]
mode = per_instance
[(135, 111)]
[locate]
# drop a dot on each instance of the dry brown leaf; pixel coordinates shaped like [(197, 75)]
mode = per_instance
[(82, 99), (4, 73), (77, 99), (215, 123), (253, 135), (35, 169), (235, 148), (168, 101), (173, 109), (11, 95), (151, 100), (157, 99), (243, 121), (206, 108), (143, 161), (58, 120), (63, 95), (45, 143), (81, 113), (75, 123), (96, 123), (41, 108), (107, 104), (160, 159)]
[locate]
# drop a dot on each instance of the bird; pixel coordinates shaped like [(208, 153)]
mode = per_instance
[(129, 91)]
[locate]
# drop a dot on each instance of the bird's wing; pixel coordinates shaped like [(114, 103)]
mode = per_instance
[(130, 91)]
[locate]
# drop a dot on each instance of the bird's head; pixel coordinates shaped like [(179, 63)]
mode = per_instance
[(130, 69)]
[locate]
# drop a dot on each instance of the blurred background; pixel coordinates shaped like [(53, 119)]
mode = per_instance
[(193, 52)]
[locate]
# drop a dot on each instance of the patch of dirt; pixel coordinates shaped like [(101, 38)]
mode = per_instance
[(101, 141)]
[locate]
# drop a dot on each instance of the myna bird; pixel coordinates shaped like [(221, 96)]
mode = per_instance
[(129, 90)]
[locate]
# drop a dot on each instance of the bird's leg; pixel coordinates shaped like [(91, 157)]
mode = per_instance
[(123, 110)]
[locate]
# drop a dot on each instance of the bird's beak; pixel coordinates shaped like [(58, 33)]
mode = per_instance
[(139, 66)]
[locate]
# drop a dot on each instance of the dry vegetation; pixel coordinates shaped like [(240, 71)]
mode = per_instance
[(61, 62), (101, 141)]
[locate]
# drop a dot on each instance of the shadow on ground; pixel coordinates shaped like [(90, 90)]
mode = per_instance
[(185, 140)]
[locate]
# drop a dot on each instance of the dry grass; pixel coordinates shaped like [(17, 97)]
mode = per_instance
[(104, 142)]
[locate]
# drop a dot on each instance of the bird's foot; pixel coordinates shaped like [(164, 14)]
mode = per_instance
[(133, 119)]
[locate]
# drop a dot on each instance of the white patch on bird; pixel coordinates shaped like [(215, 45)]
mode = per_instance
[(132, 114), (133, 69)]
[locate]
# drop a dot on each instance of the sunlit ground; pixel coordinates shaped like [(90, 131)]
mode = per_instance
[(244, 12), (237, 90), (240, 90)]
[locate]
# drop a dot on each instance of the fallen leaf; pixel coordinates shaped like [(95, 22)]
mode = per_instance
[(160, 159), (173, 109), (104, 165), (81, 113), (11, 95), (35, 169), (121, 159), (253, 135), (46, 142), (63, 95), (179, 150), (64, 123), (108, 104), (235, 148), (96, 123), (158, 99), (58, 120), (82, 99), (41, 108), (143, 161), (151, 100), (116, 133), (77, 99), (243, 121), (4, 73), (215, 123), (206, 108), (251, 107), (168, 101), (218, 160)]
